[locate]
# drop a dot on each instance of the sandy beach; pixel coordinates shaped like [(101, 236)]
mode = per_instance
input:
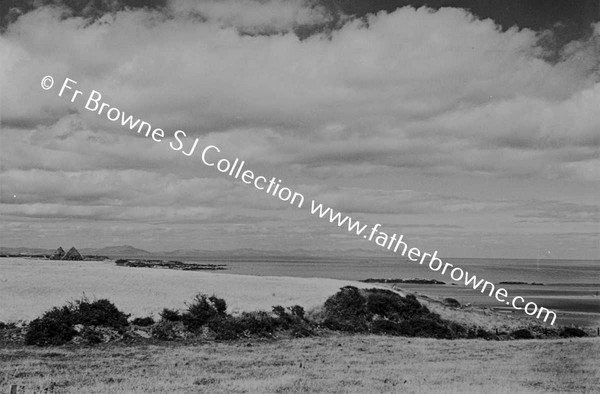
[(30, 287)]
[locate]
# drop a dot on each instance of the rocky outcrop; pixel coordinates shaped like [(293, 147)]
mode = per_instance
[(72, 254), (59, 254), (169, 264)]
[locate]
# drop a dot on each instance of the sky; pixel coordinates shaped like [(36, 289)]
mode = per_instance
[(472, 131)]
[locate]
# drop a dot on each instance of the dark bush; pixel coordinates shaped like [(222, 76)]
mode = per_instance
[(567, 332), (481, 333), (387, 327), (167, 330), (522, 333), (170, 315), (302, 330), (202, 310), (393, 306), (257, 324), (219, 304), (297, 311), (7, 326), (227, 328), (90, 336), (143, 321), (49, 330), (430, 327), (384, 311), (279, 311), (346, 311), (295, 321), (458, 330), (57, 326), (99, 313), (384, 303)]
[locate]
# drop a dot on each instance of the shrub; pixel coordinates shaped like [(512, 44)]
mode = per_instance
[(481, 333), (90, 336), (458, 330), (522, 333), (99, 313), (8, 326), (302, 330), (57, 326), (49, 330), (429, 327), (259, 324), (384, 326), (346, 311), (297, 311), (170, 315), (143, 321), (572, 332), (227, 328), (202, 310), (384, 311), (295, 321), (167, 330), (279, 311), (391, 305)]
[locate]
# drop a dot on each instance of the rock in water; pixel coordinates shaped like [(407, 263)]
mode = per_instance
[(72, 254), (59, 254)]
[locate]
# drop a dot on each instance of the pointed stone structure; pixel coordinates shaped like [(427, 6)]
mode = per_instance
[(59, 254), (72, 254)]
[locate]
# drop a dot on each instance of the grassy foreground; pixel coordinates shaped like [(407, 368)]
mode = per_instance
[(332, 364)]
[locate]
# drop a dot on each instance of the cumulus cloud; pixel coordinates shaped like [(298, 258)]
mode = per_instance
[(415, 93)]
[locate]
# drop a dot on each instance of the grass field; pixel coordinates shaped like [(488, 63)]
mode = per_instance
[(332, 364)]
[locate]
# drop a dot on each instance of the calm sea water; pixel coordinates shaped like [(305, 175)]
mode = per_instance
[(495, 270)]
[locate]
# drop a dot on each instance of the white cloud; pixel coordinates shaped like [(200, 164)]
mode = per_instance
[(415, 91)]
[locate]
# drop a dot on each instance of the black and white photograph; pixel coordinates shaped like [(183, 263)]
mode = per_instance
[(299, 196)]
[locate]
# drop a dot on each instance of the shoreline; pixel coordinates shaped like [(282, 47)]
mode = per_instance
[(254, 292), (30, 287)]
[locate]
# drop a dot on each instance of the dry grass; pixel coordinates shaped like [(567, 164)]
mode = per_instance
[(478, 316), (334, 364)]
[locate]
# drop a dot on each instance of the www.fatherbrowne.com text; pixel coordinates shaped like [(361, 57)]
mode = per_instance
[(211, 156)]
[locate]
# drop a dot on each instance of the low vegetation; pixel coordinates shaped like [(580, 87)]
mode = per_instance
[(350, 310), (60, 325)]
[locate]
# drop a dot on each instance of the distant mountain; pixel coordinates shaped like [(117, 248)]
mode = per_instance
[(120, 251), (246, 252), (254, 253)]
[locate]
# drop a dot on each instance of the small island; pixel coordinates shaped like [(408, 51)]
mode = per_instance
[(414, 280), (169, 264), (521, 283)]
